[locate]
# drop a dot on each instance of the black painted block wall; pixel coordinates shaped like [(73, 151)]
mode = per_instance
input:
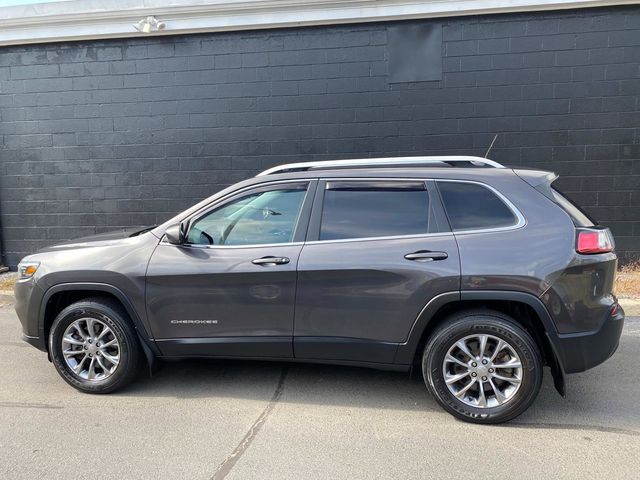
[(107, 134)]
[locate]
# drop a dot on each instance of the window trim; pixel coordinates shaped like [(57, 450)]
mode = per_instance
[(301, 222), (435, 198), (520, 219), (308, 224), (313, 231), (373, 239)]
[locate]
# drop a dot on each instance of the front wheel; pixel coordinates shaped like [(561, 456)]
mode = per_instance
[(94, 346), (482, 367)]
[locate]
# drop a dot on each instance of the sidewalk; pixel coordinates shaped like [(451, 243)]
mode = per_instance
[(6, 287)]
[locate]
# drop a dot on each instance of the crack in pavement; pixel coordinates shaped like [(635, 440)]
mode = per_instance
[(564, 426), (227, 465)]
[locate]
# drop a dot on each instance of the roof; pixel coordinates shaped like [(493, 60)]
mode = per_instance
[(39, 22)]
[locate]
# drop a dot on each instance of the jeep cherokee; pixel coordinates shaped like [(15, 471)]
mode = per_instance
[(477, 274)]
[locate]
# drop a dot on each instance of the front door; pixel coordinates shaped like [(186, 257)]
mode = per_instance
[(230, 290), (379, 251)]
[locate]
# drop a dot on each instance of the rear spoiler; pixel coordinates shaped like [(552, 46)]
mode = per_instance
[(541, 181), (535, 178)]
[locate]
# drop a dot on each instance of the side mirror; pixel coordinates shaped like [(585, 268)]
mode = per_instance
[(176, 234)]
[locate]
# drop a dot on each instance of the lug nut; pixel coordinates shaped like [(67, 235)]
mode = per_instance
[(90, 355), (86, 348), (89, 340), (484, 379), (491, 370), (474, 364), (474, 374), (484, 362)]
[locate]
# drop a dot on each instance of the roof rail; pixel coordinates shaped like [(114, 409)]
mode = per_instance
[(383, 162)]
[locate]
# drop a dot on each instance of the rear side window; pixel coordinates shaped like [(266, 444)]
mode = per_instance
[(359, 209), (471, 206)]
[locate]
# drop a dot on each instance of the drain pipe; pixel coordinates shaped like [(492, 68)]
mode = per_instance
[(2, 268)]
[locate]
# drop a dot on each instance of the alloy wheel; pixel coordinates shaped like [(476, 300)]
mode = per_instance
[(90, 349), (482, 371)]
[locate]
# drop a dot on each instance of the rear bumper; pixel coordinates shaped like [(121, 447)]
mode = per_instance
[(581, 351)]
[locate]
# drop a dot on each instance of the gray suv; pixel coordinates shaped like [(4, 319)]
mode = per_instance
[(477, 274)]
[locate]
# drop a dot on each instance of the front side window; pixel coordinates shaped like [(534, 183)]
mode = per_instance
[(471, 206), (262, 217), (374, 209)]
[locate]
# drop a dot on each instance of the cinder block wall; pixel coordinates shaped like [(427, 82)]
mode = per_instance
[(108, 134)]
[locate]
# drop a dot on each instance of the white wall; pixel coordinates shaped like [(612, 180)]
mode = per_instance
[(92, 19)]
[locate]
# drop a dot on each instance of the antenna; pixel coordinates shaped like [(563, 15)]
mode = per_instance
[(486, 155)]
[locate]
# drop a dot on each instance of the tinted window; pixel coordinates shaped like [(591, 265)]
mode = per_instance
[(472, 206), (374, 209), (578, 216), (263, 217)]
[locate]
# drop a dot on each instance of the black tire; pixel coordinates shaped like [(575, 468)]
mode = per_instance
[(503, 327), (112, 314)]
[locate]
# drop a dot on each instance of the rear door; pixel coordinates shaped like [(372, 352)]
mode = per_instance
[(377, 251)]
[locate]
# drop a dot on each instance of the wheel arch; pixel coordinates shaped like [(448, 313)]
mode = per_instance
[(62, 295), (524, 308)]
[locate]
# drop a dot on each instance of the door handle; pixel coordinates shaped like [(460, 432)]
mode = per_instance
[(426, 256), (270, 261)]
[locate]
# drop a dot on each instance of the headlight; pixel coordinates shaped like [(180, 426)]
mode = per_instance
[(27, 269)]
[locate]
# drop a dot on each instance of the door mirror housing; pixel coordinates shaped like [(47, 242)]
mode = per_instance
[(176, 234)]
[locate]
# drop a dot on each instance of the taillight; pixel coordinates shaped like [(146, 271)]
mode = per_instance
[(591, 241)]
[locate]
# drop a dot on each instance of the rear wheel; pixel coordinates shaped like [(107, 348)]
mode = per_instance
[(482, 367), (94, 347)]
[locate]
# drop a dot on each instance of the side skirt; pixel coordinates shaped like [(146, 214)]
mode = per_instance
[(392, 367), (322, 350), (229, 347)]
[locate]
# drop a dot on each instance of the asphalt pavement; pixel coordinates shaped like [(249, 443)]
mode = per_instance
[(251, 420)]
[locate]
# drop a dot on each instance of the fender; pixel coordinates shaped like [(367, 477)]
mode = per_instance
[(147, 342), (407, 350)]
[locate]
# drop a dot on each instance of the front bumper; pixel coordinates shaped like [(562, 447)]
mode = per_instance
[(28, 301), (581, 351)]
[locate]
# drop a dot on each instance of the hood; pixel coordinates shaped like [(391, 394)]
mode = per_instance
[(99, 240)]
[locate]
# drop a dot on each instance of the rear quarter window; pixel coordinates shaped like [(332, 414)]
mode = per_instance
[(578, 216), (471, 206)]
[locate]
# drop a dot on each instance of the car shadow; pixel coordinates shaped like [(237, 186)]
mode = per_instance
[(595, 399), (304, 383)]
